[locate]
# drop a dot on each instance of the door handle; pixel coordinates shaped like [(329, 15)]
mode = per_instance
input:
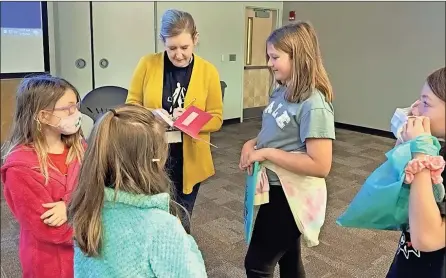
[(103, 63), (80, 63), (249, 31)]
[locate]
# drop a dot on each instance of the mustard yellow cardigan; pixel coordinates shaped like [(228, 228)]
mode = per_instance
[(204, 90)]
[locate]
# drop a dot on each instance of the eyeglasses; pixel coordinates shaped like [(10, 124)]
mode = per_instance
[(69, 108)]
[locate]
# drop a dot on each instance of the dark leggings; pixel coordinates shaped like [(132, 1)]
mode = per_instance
[(187, 201), (174, 167), (275, 239)]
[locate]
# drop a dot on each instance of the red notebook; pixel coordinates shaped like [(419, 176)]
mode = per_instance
[(192, 121)]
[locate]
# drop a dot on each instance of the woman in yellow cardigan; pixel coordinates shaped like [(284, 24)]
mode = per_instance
[(170, 81)]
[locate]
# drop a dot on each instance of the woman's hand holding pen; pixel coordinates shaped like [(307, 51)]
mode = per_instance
[(177, 112)]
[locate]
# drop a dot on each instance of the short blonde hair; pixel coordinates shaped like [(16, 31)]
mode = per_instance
[(175, 22)]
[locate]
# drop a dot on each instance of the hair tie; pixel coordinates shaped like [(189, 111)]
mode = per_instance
[(114, 112), (435, 164)]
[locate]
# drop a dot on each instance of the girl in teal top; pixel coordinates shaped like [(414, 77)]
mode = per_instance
[(123, 221)]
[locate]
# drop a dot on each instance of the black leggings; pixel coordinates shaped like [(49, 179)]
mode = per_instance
[(275, 239), (174, 167), (187, 201)]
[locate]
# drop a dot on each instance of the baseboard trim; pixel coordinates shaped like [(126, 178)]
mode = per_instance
[(253, 112), (366, 130), (231, 121)]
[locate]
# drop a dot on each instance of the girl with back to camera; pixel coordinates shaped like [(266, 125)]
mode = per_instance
[(121, 208), (171, 81), (42, 161), (422, 250), (299, 117)]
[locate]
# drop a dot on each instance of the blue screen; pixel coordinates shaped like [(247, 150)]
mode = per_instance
[(22, 36), (21, 15)]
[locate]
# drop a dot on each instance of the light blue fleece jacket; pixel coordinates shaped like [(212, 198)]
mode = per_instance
[(141, 239)]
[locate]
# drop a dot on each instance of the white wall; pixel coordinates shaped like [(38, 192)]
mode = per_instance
[(378, 54)]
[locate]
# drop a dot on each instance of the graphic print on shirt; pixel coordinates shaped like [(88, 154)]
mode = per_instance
[(177, 98), (280, 115), (405, 246)]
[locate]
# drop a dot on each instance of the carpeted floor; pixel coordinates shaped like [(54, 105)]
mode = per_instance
[(218, 215)]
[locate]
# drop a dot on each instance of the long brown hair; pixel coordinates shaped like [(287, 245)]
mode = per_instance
[(300, 42), (437, 83), (126, 151), (34, 94)]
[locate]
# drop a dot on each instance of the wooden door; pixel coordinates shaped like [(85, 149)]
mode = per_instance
[(259, 23)]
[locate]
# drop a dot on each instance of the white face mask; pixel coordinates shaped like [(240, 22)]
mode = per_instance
[(71, 124), (398, 121)]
